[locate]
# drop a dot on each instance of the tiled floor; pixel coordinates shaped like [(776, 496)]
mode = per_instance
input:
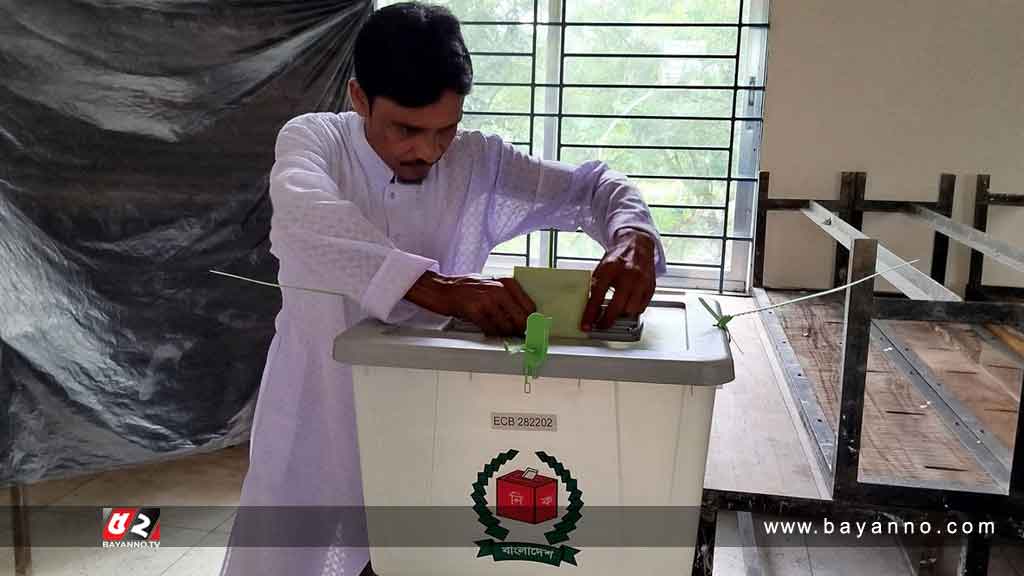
[(192, 544)]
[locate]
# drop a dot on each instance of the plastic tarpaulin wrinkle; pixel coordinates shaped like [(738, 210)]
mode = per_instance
[(136, 137)]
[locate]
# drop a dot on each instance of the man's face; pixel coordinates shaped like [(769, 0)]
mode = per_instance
[(409, 140)]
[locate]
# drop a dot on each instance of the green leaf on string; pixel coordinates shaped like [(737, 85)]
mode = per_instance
[(721, 320)]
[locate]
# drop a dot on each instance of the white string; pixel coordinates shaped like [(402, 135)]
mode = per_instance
[(272, 285), (826, 292)]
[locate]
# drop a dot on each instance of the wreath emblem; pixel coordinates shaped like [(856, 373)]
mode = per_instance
[(555, 551)]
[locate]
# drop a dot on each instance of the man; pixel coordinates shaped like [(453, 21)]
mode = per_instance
[(396, 208)]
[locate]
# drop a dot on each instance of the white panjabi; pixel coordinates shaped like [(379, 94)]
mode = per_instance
[(342, 222)]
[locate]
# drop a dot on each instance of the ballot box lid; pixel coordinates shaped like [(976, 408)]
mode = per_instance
[(516, 477), (680, 345)]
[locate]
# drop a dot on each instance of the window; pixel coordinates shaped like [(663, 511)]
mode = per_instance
[(669, 93)]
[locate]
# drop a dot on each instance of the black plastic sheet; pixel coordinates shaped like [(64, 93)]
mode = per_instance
[(136, 137)]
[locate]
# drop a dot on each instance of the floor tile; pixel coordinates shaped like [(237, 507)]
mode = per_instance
[(48, 491), (198, 492), (226, 526), (197, 495), (97, 561), (206, 518), (125, 487), (42, 494), (203, 560)]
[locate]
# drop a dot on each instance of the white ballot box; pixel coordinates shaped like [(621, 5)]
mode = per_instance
[(595, 468)]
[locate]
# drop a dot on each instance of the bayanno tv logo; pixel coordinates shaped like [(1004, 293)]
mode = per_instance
[(131, 527)]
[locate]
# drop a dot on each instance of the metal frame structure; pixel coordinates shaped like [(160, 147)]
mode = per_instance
[(732, 180), (865, 319), (976, 289)]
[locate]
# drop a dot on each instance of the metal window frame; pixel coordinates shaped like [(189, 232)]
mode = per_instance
[(686, 273)]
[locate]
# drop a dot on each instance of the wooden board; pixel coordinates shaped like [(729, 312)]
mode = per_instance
[(904, 439), (983, 379), (1012, 338), (756, 444)]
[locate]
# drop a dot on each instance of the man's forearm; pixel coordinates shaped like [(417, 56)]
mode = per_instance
[(499, 307), (429, 292)]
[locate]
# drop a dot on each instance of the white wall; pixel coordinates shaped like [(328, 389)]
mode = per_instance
[(903, 90)]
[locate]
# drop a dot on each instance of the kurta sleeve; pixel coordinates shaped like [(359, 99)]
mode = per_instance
[(320, 237), (528, 194)]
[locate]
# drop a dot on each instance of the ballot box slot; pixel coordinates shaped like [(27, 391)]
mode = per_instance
[(625, 329)]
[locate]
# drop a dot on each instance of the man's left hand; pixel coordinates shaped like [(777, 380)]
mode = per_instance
[(628, 267)]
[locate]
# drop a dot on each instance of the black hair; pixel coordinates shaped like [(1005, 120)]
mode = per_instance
[(412, 53)]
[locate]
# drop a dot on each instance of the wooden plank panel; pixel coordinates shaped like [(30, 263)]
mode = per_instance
[(755, 443), (904, 439), (1012, 338), (954, 354), (993, 356), (910, 441), (983, 446), (813, 329)]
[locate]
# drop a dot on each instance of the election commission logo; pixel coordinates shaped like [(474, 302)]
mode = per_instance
[(131, 527), (527, 497)]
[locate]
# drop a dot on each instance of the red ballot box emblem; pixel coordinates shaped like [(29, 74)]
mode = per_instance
[(527, 496)]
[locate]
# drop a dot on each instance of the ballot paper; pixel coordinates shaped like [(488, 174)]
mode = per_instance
[(559, 293)]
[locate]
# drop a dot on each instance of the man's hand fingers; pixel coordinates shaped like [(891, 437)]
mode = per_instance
[(500, 319), (616, 307), (486, 326), (482, 320), (637, 302), (516, 314), (520, 295), (598, 288), (499, 325), (640, 299)]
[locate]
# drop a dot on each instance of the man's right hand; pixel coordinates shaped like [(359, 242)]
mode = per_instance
[(499, 307)]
